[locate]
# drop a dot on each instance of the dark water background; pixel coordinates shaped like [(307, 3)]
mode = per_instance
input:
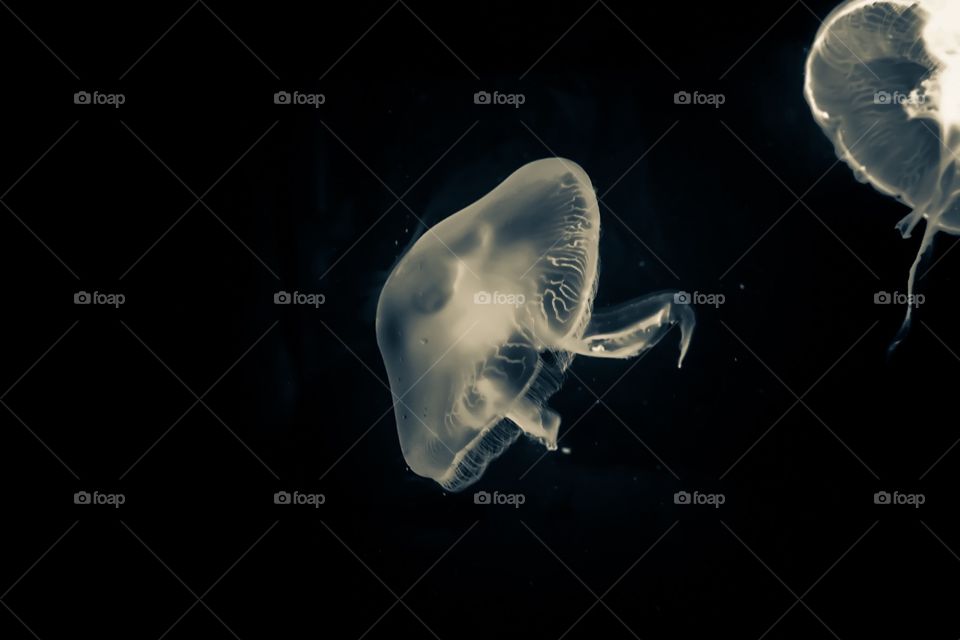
[(711, 207)]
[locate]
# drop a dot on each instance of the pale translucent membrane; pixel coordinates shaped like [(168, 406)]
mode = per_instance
[(883, 82), (481, 317), (627, 330)]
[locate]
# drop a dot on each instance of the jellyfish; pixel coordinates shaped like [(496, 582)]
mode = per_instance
[(482, 315), (883, 82)]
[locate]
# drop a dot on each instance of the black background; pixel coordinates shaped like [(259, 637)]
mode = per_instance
[(296, 198)]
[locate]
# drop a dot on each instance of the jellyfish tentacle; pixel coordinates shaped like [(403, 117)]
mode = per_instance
[(945, 199), (540, 422), (926, 245), (627, 330)]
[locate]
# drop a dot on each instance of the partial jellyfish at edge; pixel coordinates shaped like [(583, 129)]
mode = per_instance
[(482, 316), (883, 82)]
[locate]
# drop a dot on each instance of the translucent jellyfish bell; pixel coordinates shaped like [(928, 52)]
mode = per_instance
[(883, 82), (484, 313)]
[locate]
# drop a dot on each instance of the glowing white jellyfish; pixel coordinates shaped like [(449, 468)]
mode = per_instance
[(883, 82), (481, 317)]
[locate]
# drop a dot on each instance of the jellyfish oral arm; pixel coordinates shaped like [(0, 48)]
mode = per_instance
[(926, 245), (539, 422), (909, 222), (629, 329), (946, 201)]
